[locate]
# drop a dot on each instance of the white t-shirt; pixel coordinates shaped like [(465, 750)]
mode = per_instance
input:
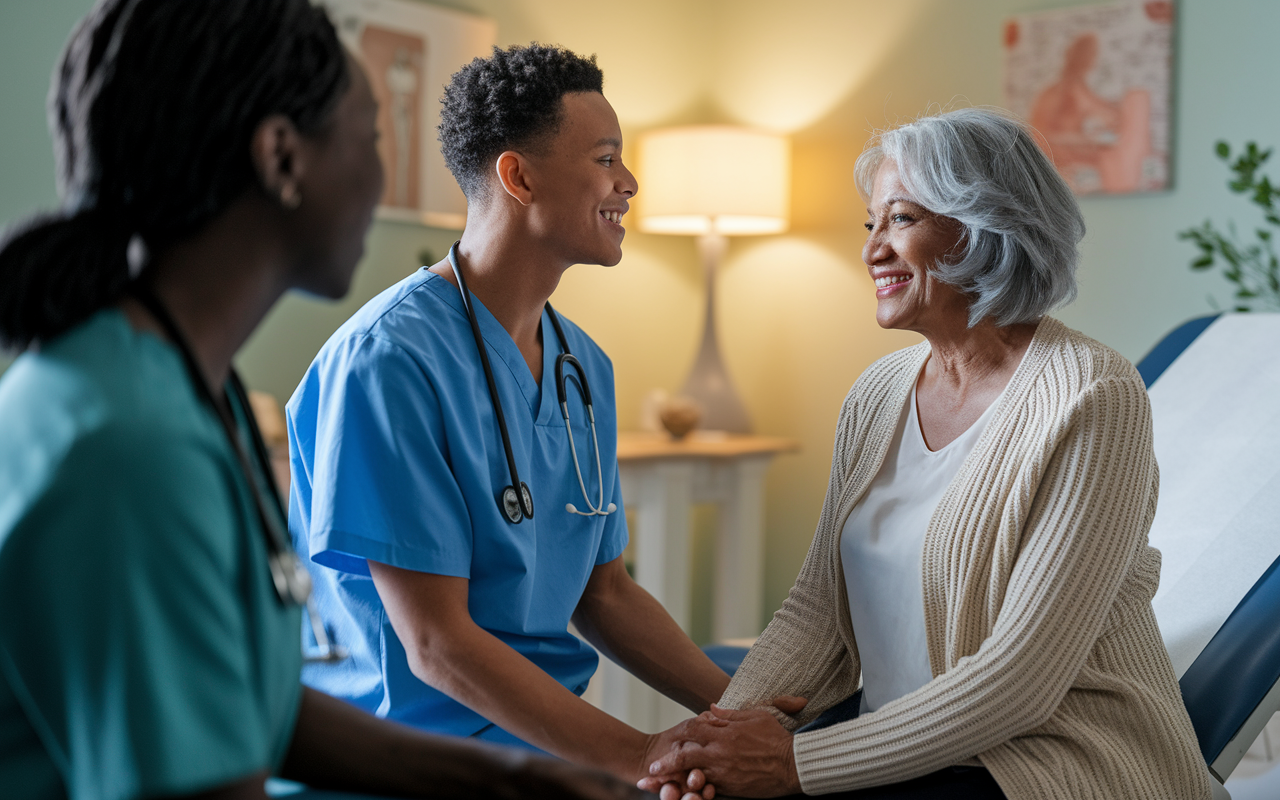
[(880, 551)]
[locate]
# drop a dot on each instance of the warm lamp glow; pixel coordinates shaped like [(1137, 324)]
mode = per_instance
[(714, 179)]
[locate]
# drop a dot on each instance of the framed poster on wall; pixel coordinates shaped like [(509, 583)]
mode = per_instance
[(1095, 81), (410, 50)]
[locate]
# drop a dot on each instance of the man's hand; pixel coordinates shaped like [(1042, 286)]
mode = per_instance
[(743, 753)]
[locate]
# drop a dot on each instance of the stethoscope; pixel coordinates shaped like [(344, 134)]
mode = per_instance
[(289, 576), (518, 505)]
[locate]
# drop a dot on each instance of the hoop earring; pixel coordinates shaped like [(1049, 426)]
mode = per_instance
[(290, 197)]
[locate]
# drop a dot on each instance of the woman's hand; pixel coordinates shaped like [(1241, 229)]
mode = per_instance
[(742, 753), (694, 785)]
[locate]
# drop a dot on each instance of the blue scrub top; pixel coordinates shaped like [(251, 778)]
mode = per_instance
[(143, 651), (397, 457)]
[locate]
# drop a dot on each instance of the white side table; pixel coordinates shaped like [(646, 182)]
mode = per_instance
[(661, 480)]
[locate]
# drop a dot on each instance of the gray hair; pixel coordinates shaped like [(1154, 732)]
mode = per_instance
[(1021, 222)]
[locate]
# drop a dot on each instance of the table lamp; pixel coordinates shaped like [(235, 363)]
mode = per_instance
[(714, 181)]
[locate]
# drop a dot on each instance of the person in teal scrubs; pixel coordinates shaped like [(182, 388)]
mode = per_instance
[(212, 155), (453, 601)]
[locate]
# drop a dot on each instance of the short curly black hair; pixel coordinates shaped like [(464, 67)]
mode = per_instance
[(508, 101)]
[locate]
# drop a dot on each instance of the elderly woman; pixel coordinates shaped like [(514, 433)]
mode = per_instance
[(974, 615)]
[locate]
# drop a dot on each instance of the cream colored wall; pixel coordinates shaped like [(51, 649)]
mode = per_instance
[(796, 309)]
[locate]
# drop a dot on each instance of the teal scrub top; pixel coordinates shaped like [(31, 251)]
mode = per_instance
[(143, 650), (397, 458)]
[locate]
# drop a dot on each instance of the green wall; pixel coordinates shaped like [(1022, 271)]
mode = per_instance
[(32, 33)]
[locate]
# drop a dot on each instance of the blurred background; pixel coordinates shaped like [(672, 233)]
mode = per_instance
[(796, 310)]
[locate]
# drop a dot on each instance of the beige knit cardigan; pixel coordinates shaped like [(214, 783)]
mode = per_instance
[(1048, 667)]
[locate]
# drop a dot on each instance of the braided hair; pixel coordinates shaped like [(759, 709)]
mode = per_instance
[(152, 110), (508, 101)]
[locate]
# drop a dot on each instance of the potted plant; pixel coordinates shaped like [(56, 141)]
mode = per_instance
[(1251, 264)]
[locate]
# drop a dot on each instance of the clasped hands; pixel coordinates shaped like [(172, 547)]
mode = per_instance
[(743, 753)]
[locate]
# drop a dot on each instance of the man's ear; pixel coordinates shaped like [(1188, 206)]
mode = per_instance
[(279, 157), (513, 175)]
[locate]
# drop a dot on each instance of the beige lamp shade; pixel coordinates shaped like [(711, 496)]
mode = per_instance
[(717, 179)]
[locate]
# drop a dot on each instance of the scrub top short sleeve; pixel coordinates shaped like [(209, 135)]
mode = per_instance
[(142, 649), (381, 486)]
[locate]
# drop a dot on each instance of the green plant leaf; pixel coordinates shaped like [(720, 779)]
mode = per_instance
[(1262, 193), (1250, 264)]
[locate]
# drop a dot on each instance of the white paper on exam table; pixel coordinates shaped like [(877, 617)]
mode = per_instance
[(1216, 413)]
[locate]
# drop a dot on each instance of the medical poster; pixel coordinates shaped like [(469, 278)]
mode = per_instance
[(1095, 81), (410, 50), (395, 62)]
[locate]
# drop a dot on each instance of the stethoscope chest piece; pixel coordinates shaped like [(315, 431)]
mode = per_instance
[(516, 507)]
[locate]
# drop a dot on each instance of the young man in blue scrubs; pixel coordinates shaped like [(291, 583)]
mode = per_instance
[(455, 618)]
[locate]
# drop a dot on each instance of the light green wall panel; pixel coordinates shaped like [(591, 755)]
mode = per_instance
[(32, 33)]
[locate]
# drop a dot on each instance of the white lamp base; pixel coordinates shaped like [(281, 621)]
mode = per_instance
[(708, 382)]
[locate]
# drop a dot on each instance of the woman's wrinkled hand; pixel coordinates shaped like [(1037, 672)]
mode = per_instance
[(742, 753)]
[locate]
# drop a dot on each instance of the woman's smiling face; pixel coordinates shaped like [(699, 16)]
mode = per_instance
[(904, 244)]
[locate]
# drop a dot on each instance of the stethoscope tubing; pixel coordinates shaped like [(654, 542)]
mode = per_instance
[(523, 497), (596, 509)]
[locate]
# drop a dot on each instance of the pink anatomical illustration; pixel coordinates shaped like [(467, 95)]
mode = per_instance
[(1097, 145), (1095, 83), (394, 61)]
